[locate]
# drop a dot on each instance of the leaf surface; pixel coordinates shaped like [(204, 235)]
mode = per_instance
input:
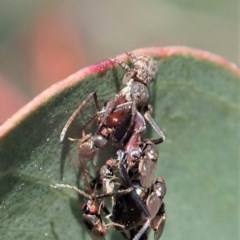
[(196, 102)]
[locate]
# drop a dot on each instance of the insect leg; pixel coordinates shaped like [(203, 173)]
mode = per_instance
[(76, 112), (156, 128)]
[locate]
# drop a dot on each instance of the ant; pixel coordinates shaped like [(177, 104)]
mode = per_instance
[(123, 114), (139, 177), (91, 210), (137, 171), (144, 201), (126, 212)]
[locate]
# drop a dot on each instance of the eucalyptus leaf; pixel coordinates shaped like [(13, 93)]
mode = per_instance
[(195, 100)]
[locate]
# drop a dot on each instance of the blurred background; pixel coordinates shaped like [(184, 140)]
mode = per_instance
[(42, 42)]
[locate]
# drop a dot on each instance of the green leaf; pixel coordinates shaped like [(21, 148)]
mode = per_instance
[(195, 101)]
